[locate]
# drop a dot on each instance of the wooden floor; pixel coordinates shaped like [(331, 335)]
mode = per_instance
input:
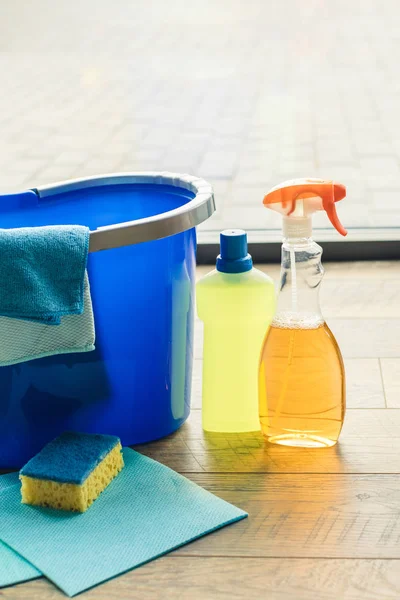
[(323, 524)]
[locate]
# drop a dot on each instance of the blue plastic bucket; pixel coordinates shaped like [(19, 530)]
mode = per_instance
[(137, 382)]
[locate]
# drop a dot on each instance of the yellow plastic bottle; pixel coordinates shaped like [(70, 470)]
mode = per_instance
[(301, 375), (236, 303)]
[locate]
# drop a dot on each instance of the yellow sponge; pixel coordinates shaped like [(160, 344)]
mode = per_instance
[(71, 471)]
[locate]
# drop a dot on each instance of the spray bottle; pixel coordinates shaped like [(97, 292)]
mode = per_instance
[(236, 302), (301, 373)]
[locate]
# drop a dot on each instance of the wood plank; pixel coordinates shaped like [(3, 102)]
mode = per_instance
[(197, 383), (357, 337), (203, 578), (361, 298), (352, 270), (364, 386), (359, 290), (360, 303), (391, 380), (198, 340), (367, 338), (361, 269), (298, 516), (369, 443)]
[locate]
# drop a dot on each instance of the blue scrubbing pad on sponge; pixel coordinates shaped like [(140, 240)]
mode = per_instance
[(71, 471)]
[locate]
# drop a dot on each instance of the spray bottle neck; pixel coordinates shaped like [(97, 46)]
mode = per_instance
[(297, 228), (301, 275)]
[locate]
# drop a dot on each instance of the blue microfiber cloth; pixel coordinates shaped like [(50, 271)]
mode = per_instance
[(145, 512), (42, 272), (28, 340), (44, 284)]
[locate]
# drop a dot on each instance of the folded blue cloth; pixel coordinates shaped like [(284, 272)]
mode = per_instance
[(42, 272), (44, 283), (28, 340)]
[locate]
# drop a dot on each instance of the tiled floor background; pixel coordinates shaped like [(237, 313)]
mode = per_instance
[(243, 93)]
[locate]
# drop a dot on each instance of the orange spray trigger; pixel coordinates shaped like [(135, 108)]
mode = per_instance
[(330, 208), (314, 194)]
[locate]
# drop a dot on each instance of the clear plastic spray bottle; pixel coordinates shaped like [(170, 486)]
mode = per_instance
[(301, 373)]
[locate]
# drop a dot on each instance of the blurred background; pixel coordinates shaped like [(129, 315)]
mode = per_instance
[(245, 94)]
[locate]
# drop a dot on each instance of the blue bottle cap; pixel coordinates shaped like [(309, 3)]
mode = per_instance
[(234, 257)]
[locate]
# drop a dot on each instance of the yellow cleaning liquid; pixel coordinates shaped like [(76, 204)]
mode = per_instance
[(237, 309), (301, 385)]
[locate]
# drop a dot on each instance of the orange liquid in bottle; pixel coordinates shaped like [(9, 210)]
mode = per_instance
[(302, 386)]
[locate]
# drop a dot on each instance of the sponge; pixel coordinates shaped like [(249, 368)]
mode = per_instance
[(71, 471)]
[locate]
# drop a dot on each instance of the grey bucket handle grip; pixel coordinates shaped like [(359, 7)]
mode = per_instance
[(159, 226)]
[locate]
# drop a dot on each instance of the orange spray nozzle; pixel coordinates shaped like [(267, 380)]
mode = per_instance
[(315, 194)]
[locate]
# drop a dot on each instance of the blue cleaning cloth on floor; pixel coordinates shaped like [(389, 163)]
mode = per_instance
[(8, 479), (42, 272), (13, 568), (146, 511)]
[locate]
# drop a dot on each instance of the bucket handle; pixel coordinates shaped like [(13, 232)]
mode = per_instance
[(191, 214)]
